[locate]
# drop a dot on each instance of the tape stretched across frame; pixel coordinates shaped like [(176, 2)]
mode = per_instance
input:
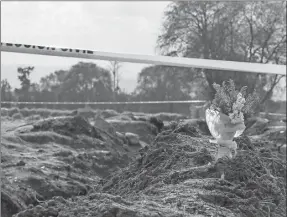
[(105, 103), (147, 59)]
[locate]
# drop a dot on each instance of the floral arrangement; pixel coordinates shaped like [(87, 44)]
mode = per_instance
[(232, 102)]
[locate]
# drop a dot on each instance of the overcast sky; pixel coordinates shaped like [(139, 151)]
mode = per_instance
[(125, 27)]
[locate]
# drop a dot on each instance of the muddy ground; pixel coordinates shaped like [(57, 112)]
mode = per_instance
[(78, 166)]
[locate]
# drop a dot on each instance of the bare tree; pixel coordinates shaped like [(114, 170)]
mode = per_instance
[(114, 68)]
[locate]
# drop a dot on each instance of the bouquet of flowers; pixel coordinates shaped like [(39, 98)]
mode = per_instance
[(231, 102), (225, 117)]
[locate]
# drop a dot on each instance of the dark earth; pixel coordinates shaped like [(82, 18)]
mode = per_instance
[(76, 165)]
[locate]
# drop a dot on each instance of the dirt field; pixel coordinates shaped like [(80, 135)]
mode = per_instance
[(75, 165)]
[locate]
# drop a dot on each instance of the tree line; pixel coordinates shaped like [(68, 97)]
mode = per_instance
[(236, 31)]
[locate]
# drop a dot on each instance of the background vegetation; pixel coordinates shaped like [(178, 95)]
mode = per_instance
[(241, 31)]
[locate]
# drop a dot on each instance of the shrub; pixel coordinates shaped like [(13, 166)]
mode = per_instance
[(109, 113)]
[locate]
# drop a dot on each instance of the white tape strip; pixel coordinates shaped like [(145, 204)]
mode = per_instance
[(136, 58), (103, 103)]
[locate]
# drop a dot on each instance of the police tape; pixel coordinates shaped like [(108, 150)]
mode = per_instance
[(147, 59), (104, 103)]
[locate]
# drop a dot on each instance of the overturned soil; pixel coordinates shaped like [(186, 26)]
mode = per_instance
[(68, 167)]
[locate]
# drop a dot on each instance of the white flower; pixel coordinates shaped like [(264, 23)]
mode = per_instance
[(238, 105), (240, 99), (236, 117), (235, 107)]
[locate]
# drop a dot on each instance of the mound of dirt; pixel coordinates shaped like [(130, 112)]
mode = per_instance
[(100, 205), (254, 185), (108, 113), (157, 122), (145, 130), (256, 126), (258, 184), (174, 176), (67, 125), (169, 116), (15, 197), (157, 163), (9, 205), (128, 116), (278, 136), (120, 118), (199, 124), (102, 124), (61, 156), (185, 128)]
